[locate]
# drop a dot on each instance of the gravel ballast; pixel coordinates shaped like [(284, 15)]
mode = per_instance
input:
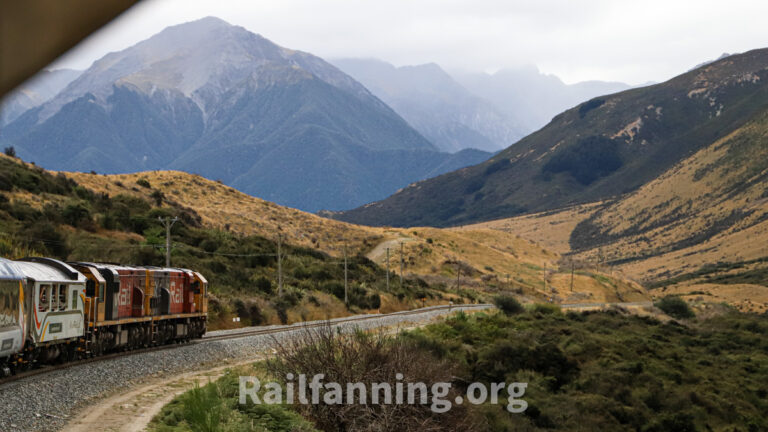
[(45, 402)]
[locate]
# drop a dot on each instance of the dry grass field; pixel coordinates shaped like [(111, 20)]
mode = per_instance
[(490, 260), (549, 229), (225, 208), (710, 209)]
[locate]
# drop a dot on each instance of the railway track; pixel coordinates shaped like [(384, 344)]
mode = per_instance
[(285, 328), (234, 335)]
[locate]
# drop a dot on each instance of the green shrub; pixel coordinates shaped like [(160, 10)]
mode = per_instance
[(334, 288), (76, 214), (508, 305), (143, 183), (158, 197), (675, 307), (264, 285), (203, 408), (545, 309), (22, 211), (44, 236)]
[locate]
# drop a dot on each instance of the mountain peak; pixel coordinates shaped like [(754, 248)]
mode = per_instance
[(209, 21), (219, 100), (201, 59)]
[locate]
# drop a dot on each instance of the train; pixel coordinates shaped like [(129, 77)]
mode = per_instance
[(53, 311)]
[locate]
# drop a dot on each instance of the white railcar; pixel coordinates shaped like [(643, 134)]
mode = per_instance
[(12, 313)]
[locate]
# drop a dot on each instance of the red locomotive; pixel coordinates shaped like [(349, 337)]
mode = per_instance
[(61, 311)]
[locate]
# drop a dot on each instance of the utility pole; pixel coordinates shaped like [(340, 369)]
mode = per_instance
[(402, 262), (508, 285), (458, 275), (346, 283), (387, 269), (167, 223), (280, 264), (572, 265)]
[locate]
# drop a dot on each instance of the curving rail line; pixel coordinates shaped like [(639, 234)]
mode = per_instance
[(236, 335), (254, 331)]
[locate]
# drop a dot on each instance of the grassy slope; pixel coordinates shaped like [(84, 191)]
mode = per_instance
[(230, 237), (487, 256), (43, 214), (221, 206), (639, 134), (711, 208)]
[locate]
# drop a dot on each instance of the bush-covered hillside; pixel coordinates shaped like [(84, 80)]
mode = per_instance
[(592, 371), (610, 371), (51, 215)]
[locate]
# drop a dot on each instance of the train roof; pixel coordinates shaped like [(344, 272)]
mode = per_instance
[(48, 270), (118, 267), (111, 266), (167, 269), (9, 270), (200, 275)]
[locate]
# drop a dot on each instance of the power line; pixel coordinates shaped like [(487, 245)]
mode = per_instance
[(92, 243), (234, 255)]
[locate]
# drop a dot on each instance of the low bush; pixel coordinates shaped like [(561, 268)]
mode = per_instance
[(545, 308), (367, 358), (675, 307), (508, 305)]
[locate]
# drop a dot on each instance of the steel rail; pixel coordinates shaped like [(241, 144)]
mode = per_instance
[(235, 335)]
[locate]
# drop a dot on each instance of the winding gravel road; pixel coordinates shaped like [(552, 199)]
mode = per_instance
[(47, 401)]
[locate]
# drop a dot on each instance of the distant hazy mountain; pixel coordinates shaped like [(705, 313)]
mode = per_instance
[(436, 105), (531, 99), (215, 99), (610, 146), (36, 91)]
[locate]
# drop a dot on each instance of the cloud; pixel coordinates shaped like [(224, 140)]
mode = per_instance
[(615, 40)]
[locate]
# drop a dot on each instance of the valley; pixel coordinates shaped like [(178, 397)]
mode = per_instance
[(603, 148), (484, 256), (700, 229), (232, 237)]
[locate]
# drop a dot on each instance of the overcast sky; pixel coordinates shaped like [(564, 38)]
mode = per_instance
[(613, 40)]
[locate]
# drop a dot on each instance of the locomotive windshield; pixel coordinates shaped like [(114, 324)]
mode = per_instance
[(9, 303)]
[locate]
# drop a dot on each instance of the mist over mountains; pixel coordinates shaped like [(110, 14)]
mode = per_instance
[(530, 97), (602, 149), (436, 105), (472, 110)]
